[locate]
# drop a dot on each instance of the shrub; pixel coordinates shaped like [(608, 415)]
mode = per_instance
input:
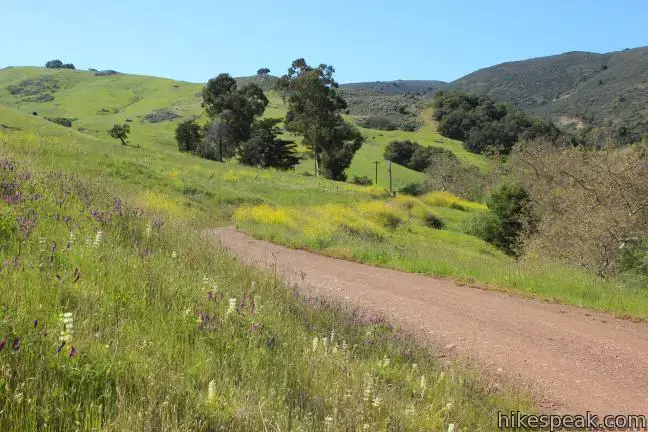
[(362, 181), (433, 221), (54, 64), (510, 217), (414, 189), (377, 122), (413, 155), (67, 122)]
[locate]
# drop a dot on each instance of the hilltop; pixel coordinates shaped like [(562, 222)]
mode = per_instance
[(153, 107), (574, 89)]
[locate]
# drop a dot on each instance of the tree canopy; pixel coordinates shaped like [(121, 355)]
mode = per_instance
[(485, 126), (266, 150), (314, 107), (120, 132), (234, 109)]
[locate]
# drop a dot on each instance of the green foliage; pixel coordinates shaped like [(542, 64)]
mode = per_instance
[(413, 189), (413, 155), (362, 181), (120, 132), (342, 143), (484, 126), (578, 88), (67, 122), (433, 221), (188, 136), (263, 72), (235, 108), (157, 345), (58, 64), (510, 217), (266, 150), (377, 122), (634, 257), (314, 107)]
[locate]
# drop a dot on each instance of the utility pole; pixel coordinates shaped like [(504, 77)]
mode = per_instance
[(390, 178), (376, 162)]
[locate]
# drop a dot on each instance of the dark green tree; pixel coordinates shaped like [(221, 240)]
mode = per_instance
[(188, 136), (265, 149), (314, 105), (233, 107), (120, 132), (400, 152), (263, 72), (342, 143), (54, 64)]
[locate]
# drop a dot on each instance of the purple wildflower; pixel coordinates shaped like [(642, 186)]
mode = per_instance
[(60, 347), (35, 323), (73, 352), (16, 344)]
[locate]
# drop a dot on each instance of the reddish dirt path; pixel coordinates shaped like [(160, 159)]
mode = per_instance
[(571, 359)]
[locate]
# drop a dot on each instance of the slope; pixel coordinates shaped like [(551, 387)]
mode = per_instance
[(153, 106), (575, 88)]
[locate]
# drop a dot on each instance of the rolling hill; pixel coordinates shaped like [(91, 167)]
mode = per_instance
[(153, 107), (574, 89)]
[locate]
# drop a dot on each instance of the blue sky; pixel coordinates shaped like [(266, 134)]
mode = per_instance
[(194, 40)]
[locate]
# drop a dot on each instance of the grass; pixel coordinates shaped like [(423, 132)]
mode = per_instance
[(404, 234), (165, 337), (96, 103)]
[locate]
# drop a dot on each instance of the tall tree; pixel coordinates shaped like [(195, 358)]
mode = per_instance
[(234, 109), (314, 107)]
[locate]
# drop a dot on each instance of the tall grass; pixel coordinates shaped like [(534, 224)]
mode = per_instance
[(403, 234), (117, 315)]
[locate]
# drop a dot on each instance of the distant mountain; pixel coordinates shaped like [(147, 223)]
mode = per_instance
[(397, 88), (573, 89)]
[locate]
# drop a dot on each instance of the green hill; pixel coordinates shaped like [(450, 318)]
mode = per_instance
[(574, 89), (153, 107)]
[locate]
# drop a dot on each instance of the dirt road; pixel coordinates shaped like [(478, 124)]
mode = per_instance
[(571, 359)]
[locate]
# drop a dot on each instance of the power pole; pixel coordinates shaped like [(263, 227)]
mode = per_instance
[(390, 178), (376, 162)]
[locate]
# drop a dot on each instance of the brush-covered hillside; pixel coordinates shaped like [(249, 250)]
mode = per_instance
[(152, 107), (575, 89)]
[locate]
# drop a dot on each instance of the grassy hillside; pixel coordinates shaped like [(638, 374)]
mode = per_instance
[(95, 103), (118, 315), (606, 90)]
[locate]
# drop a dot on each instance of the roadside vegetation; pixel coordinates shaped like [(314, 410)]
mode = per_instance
[(118, 314)]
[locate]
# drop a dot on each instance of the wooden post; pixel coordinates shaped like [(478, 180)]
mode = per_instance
[(376, 162), (391, 192)]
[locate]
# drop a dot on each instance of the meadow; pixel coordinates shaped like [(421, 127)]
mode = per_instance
[(119, 315), (431, 234), (95, 103)]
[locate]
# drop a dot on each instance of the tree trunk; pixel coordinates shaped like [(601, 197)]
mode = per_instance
[(122, 140)]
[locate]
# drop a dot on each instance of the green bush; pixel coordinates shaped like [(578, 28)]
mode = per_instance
[(377, 122), (509, 218), (414, 189), (362, 181), (433, 221)]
